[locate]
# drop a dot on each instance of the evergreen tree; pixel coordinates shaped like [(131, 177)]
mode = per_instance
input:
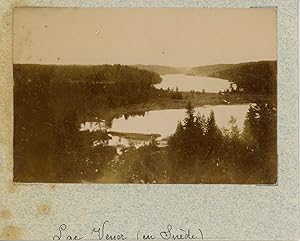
[(259, 136), (190, 116), (234, 130), (212, 130), (213, 136)]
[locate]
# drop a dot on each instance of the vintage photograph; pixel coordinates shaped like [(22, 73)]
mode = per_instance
[(145, 95)]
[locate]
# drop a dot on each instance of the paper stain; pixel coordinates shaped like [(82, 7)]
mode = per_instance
[(5, 214), (11, 187), (52, 186), (11, 233), (44, 209)]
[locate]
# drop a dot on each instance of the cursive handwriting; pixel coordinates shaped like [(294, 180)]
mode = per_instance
[(60, 236), (104, 233), (140, 235), (182, 234)]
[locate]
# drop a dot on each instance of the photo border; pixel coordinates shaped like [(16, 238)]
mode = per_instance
[(222, 211)]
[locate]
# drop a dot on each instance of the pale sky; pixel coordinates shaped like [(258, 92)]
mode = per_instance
[(165, 36)]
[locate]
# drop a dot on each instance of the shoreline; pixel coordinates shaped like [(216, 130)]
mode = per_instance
[(134, 136), (163, 103)]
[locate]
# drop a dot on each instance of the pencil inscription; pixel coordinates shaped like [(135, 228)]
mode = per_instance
[(105, 232)]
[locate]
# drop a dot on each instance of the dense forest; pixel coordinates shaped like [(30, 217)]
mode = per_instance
[(113, 85), (51, 101)]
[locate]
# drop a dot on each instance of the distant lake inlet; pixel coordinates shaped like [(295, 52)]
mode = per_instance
[(190, 82)]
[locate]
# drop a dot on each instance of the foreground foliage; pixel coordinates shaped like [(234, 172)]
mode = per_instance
[(199, 152)]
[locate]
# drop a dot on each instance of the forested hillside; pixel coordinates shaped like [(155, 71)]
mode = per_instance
[(107, 85), (160, 69), (85, 73), (253, 77)]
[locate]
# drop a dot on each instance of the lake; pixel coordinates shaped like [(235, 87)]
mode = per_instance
[(164, 122), (190, 82)]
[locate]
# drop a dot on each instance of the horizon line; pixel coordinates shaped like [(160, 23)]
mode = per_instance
[(222, 63)]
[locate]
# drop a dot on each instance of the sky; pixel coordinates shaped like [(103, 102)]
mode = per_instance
[(164, 36)]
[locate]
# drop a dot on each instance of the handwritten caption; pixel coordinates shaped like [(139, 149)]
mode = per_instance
[(103, 233)]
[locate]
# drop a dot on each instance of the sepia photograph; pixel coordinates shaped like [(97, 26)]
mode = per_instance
[(145, 95)]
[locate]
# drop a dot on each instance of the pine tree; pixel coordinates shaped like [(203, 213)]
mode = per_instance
[(259, 136), (212, 130), (200, 124), (234, 130), (250, 125), (213, 136), (190, 116)]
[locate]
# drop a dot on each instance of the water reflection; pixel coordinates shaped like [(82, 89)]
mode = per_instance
[(92, 126), (161, 122), (164, 122)]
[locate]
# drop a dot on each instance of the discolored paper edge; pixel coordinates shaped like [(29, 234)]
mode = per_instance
[(233, 212)]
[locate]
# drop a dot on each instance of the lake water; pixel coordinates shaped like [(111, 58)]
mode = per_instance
[(190, 82), (164, 122)]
